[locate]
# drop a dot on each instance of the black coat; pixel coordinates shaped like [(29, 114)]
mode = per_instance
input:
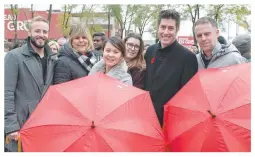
[(138, 77), (68, 67), (167, 71)]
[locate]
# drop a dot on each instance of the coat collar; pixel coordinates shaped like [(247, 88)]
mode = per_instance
[(167, 47), (116, 72)]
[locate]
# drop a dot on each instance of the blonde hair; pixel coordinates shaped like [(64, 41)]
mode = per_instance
[(52, 42), (37, 19), (80, 29)]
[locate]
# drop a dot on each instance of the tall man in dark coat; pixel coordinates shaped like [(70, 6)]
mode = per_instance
[(169, 65), (28, 73)]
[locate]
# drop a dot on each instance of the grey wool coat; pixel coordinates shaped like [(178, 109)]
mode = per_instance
[(24, 86), (118, 72)]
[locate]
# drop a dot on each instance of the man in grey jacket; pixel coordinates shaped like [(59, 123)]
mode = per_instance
[(213, 54), (28, 73)]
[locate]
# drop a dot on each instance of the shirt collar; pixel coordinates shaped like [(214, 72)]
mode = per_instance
[(216, 49)]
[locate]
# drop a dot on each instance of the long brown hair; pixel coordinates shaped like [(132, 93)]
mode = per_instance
[(139, 60)]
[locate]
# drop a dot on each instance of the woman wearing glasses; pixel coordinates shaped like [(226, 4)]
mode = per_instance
[(135, 59)]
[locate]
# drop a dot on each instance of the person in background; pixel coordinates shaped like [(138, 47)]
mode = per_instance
[(195, 49), (243, 43), (76, 57), (17, 45), (135, 59), (28, 72), (61, 41), (98, 41), (145, 48), (113, 63), (213, 54), (54, 46), (7, 46), (169, 65)]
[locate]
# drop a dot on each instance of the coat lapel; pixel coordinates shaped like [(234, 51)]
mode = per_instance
[(35, 70), (50, 67)]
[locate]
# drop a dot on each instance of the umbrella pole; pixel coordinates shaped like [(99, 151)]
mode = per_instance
[(93, 125), (213, 115)]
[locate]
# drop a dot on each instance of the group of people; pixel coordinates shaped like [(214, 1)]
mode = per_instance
[(162, 70)]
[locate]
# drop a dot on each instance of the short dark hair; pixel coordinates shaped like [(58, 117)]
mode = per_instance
[(117, 43), (206, 20), (101, 34), (170, 14)]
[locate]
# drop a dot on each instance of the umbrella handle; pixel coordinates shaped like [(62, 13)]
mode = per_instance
[(7, 140), (19, 144)]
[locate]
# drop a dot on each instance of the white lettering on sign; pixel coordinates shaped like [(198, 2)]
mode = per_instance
[(21, 26), (9, 17), (186, 41)]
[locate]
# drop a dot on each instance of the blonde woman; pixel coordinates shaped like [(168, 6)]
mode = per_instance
[(135, 59), (75, 58), (54, 46)]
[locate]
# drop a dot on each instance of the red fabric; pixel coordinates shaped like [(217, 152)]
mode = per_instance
[(226, 92), (123, 116)]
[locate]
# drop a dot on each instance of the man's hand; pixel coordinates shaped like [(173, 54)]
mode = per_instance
[(13, 136)]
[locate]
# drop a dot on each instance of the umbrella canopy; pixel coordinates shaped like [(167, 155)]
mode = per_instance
[(94, 114), (212, 112)]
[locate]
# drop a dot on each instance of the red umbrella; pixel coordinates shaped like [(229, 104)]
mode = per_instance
[(94, 113), (212, 112)]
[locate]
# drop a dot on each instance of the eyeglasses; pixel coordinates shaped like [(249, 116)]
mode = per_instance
[(130, 46)]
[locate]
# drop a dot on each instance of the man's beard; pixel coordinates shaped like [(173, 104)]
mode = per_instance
[(36, 45)]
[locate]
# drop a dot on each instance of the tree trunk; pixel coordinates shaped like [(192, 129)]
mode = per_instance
[(109, 22), (32, 10), (14, 10), (65, 10), (198, 13), (68, 17), (49, 15), (122, 30)]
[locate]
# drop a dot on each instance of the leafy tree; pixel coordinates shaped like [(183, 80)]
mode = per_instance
[(65, 17)]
